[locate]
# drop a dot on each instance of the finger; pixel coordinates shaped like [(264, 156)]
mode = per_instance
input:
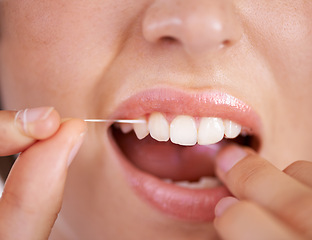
[(33, 191), (21, 129), (249, 177), (245, 220), (301, 170)]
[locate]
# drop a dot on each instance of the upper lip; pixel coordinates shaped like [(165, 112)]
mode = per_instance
[(212, 103)]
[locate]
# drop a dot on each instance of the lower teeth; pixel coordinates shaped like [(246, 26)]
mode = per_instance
[(204, 182)]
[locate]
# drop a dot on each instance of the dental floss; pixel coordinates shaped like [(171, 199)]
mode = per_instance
[(115, 120)]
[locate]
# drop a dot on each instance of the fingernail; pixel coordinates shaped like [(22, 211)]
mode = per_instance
[(75, 148), (24, 117), (227, 158), (224, 204)]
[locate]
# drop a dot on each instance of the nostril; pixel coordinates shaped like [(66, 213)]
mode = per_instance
[(226, 42), (168, 39)]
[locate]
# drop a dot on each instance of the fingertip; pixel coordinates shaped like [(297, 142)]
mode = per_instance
[(76, 123), (80, 128), (224, 204), (228, 157), (38, 123), (45, 128), (75, 148)]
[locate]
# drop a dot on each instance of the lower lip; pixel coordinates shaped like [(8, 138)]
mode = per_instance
[(196, 205)]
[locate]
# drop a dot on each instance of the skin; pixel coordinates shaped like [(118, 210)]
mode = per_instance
[(85, 57)]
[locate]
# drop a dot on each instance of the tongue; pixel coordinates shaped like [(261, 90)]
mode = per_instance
[(168, 160)]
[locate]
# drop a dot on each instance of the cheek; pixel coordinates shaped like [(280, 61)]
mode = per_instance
[(56, 50), (281, 30)]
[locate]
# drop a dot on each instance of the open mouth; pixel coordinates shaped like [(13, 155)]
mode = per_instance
[(181, 152), (170, 156)]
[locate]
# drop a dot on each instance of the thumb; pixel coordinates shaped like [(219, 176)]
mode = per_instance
[(20, 130), (33, 192)]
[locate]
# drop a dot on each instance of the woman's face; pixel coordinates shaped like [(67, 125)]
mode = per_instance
[(247, 61)]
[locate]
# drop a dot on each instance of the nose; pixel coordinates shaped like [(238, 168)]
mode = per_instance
[(200, 26)]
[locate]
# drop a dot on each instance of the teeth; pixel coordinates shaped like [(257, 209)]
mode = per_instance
[(232, 129), (168, 180), (158, 127), (183, 131), (210, 131), (126, 127), (204, 182), (141, 129)]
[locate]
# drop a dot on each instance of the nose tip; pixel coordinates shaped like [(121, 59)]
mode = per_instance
[(200, 26)]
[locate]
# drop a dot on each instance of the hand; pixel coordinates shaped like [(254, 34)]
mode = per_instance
[(33, 192), (269, 204)]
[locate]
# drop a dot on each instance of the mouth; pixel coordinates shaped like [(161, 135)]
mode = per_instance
[(168, 159)]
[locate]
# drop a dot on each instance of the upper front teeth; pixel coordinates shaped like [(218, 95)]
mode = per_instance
[(141, 130), (211, 130), (232, 129), (158, 127), (183, 129)]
